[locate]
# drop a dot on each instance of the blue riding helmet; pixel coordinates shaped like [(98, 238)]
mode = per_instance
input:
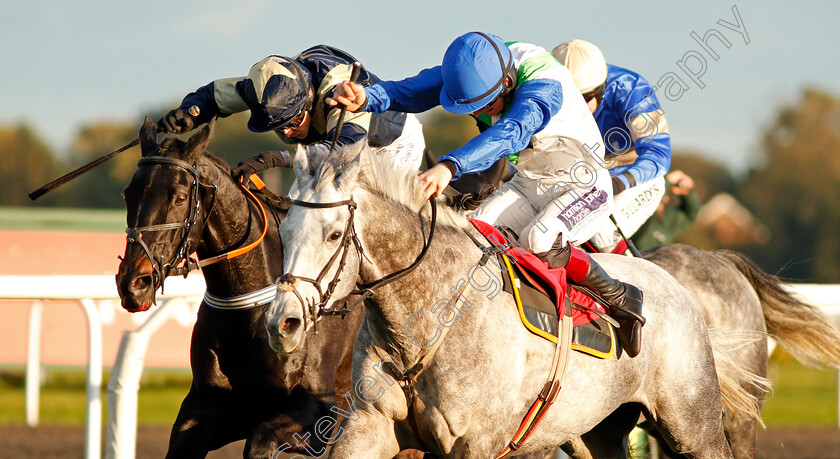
[(474, 69), (276, 91)]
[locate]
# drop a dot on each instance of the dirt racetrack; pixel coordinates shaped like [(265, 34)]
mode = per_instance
[(54, 442), (68, 442)]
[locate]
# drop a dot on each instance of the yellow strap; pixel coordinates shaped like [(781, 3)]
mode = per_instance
[(546, 335)]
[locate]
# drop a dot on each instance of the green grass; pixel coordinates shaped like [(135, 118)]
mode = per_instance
[(802, 396), (62, 218), (62, 399)]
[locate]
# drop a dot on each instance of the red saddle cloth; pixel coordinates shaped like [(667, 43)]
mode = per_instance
[(553, 278)]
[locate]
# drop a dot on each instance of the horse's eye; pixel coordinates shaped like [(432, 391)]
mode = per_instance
[(180, 200), (336, 235)]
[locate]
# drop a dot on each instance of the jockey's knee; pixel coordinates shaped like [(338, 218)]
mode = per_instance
[(541, 236)]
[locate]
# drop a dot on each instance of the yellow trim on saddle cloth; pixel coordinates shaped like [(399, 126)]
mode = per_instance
[(549, 336)]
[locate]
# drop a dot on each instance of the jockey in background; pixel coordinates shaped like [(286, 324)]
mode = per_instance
[(635, 133), (286, 95), (535, 116)]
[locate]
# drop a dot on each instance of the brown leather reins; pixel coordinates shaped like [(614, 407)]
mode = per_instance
[(163, 270), (316, 310)]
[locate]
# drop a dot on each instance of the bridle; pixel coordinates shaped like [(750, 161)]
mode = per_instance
[(314, 311), (160, 269), (408, 378)]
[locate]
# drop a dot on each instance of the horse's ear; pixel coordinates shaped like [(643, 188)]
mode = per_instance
[(348, 174), (198, 142), (148, 137), (301, 163)]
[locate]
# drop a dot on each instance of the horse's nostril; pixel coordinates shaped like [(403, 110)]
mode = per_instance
[(141, 283), (290, 326)]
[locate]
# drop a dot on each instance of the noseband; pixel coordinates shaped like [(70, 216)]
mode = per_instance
[(316, 310)]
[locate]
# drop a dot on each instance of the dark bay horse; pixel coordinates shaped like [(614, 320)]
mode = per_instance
[(241, 389)]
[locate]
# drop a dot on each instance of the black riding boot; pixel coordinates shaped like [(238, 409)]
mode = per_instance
[(624, 300)]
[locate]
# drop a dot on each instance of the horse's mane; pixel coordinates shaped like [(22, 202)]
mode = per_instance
[(219, 162), (378, 176)]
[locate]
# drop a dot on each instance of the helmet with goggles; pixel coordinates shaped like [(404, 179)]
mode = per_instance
[(277, 90)]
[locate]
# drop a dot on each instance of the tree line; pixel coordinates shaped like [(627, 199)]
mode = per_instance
[(793, 189)]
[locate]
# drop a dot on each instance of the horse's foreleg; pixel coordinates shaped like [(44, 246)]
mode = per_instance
[(301, 425), (609, 437), (264, 441), (197, 429), (367, 435), (269, 439)]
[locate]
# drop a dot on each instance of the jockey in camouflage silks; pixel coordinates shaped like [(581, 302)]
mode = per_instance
[(287, 95)]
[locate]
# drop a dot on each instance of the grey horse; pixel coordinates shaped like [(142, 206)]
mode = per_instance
[(469, 400), (741, 303)]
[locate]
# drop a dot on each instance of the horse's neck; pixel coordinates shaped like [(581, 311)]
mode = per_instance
[(404, 316), (232, 224)]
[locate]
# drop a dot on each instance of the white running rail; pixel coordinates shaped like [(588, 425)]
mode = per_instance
[(85, 290)]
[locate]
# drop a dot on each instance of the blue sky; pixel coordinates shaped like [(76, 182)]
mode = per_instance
[(65, 64)]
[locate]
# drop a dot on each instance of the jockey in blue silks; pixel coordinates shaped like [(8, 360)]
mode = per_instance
[(530, 111), (637, 143)]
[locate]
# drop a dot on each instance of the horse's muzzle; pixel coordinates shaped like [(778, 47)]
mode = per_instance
[(135, 285), (286, 328)]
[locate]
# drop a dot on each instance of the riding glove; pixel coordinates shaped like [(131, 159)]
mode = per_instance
[(177, 121)]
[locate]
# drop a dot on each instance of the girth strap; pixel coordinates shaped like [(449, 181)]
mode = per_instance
[(553, 382), (559, 363)]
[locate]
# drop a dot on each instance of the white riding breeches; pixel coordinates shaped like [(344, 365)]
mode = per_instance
[(539, 210)]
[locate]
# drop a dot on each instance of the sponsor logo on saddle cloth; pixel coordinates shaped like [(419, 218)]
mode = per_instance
[(635, 205)]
